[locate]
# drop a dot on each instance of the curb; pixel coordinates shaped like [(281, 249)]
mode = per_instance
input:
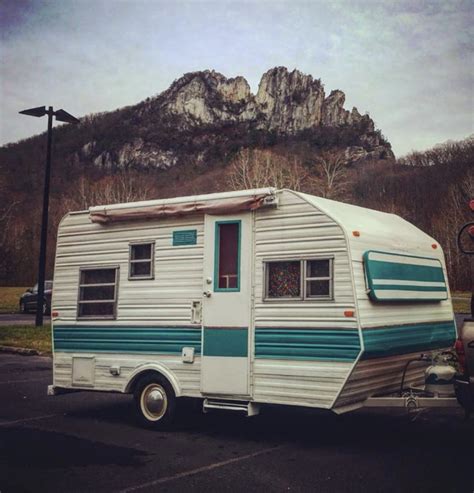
[(20, 350)]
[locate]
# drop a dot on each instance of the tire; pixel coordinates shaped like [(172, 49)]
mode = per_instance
[(23, 308), (155, 402)]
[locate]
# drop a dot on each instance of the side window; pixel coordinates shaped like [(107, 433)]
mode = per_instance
[(284, 279), (319, 278), (299, 279), (227, 256), (141, 260), (97, 293)]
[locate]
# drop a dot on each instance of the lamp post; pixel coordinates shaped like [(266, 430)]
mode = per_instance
[(62, 116)]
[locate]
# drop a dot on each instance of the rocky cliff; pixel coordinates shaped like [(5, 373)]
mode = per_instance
[(204, 117), (287, 102)]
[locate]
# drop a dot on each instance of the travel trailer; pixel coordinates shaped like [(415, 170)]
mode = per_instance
[(243, 299)]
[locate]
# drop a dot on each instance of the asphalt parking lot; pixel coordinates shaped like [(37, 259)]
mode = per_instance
[(91, 442)]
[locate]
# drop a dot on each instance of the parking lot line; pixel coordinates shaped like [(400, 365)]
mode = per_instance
[(25, 420), (210, 467)]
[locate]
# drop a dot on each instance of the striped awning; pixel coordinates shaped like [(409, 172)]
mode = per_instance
[(395, 277)]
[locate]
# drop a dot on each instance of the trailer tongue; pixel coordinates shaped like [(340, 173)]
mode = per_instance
[(438, 390)]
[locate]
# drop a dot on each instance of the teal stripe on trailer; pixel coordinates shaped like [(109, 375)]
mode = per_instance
[(226, 342), (307, 344), (110, 339), (399, 287), (380, 342), (408, 272)]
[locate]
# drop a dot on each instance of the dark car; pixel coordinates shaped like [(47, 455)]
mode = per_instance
[(29, 299)]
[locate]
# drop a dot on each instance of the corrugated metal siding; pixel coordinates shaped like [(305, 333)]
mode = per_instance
[(297, 230), (383, 375), (373, 314), (390, 341), (307, 344), (164, 300), (167, 298), (386, 233), (188, 375), (380, 376), (149, 340), (303, 383)]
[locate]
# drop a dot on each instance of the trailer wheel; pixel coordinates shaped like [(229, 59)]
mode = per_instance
[(155, 401)]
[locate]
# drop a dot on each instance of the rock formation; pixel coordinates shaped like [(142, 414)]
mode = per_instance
[(286, 102), (203, 117)]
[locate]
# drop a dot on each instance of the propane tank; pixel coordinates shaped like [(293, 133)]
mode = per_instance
[(439, 380)]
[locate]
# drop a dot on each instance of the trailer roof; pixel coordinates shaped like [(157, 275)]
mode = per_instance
[(376, 229)]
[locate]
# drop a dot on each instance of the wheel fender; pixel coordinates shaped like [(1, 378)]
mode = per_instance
[(159, 368)]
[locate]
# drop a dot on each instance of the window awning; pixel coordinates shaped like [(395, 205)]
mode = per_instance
[(229, 205), (397, 277)]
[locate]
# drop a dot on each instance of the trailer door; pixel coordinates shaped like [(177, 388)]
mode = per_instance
[(226, 304)]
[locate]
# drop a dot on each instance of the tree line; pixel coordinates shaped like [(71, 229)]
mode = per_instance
[(431, 189)]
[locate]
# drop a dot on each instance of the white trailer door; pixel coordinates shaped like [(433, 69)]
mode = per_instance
[(226, 304)]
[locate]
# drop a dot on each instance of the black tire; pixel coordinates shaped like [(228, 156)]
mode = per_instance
[(23, 308), (155, 402)]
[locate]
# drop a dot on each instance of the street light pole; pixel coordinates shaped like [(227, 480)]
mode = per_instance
[(44, 224), (63, 116)]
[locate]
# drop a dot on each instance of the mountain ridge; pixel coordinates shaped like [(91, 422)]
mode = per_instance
[(204, 118)]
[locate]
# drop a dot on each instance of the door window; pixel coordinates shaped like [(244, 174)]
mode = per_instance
[(227, 256)]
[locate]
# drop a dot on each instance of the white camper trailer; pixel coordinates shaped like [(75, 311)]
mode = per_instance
[(245, 298)]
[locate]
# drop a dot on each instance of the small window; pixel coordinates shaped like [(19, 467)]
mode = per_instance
[(227, 256), (97, 293), (299, 279), (141, 262), (284, 279), (318, 278)]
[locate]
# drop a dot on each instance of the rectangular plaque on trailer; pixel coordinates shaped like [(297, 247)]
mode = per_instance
[(184, 237)]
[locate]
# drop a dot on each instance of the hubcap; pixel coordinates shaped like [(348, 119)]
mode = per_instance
[(153, 402)]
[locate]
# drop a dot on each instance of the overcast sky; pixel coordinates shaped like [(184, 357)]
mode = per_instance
[(409, 64)]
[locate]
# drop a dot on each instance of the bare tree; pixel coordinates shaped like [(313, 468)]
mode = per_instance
[(257, 169), (124, 186), (330, 179)]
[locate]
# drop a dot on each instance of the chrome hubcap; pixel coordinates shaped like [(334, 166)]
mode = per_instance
[(154, 401)]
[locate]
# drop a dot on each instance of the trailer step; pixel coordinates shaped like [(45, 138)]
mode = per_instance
[(249, 408)]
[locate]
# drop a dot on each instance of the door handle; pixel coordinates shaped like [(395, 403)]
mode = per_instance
[(207, 294)]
